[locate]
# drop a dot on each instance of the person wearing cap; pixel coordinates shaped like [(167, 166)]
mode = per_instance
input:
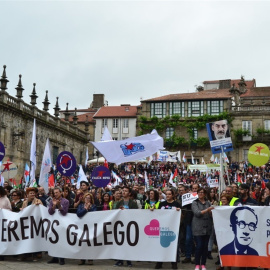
[(244, 198)]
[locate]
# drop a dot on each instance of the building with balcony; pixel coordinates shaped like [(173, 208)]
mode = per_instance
[(181, 118)]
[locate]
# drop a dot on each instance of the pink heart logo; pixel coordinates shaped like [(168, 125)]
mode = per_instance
[(152, 228)]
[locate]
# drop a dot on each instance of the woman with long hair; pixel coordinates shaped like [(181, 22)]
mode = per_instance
[(87, 205), (153, 200), (4, 201), (104, 202), (67, 195), (212, 197)]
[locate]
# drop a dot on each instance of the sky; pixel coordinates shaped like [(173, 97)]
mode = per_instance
[(130, 50)]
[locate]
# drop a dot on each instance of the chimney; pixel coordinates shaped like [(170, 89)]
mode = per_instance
[(98, 101), (223, 84)]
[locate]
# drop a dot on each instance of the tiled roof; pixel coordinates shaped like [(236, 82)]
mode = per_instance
[(257, 92), (249, 83), (81, 110), (82, 117), (206, 94), (116, 111)]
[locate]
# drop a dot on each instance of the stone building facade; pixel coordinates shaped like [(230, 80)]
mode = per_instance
[(16, 125), (247, 105), (83, 118)]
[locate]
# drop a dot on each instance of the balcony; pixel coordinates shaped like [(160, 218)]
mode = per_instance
[(251, 108)]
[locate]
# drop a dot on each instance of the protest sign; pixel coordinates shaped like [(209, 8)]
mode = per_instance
[(66, 163), (116, 234), (212, 183), (8, 170), (258, 154), (219, 136), (188, 198), (2, 151), (243, 235), (101, 176)]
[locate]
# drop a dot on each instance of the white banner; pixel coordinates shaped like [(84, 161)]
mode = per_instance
[(212, 183), (243, 235), (188, 198), (162, 155), (115, 234), (205, 167), (131, 149)]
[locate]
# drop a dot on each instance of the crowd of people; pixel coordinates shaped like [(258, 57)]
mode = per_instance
[(245, 185)]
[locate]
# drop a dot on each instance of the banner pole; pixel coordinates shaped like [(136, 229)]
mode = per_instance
[(221, 172)]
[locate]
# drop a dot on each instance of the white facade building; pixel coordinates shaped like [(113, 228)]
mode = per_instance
[(120, 120)]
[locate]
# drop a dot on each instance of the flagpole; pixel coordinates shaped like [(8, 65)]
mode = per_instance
[(221, 172), (226, 167)]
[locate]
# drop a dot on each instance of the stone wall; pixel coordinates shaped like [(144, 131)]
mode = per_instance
[(16, 124)]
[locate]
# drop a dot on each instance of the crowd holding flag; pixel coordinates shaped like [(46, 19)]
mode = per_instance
[(81, 176), (86, 156), (118, 179), (225, 158), (146, 181), (173, 178), (26, 174), (184, 158), (52, 181)]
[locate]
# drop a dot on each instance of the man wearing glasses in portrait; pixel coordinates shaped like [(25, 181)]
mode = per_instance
[(244, 224)]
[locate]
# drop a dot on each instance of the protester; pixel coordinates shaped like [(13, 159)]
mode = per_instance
[(16, 202), (170, 203), (244, 196), (267, 193), (125, 203), (153, 201), (117, 193), (104, 203), (201, 227), (4, 201), (252, 181), (87, 205), (4, 204), (133, 196), (42, 196), (67, 195), (61, 204), (31, 200)]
